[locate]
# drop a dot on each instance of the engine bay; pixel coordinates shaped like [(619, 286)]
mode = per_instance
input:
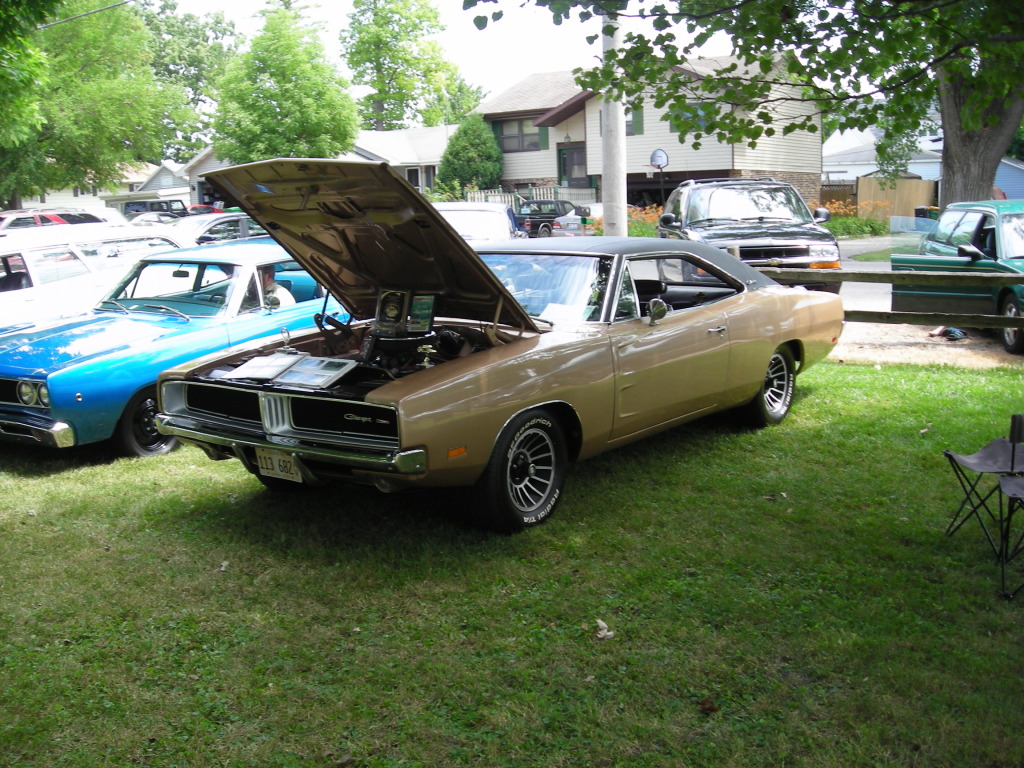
[(348, 359)]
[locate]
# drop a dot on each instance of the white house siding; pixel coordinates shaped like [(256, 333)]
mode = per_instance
[(533, 166), (656, 135)]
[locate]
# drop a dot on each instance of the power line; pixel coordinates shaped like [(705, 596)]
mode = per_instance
[(81, 15)]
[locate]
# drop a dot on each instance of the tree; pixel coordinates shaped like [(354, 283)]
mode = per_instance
[(451, 101), (101, 107), (862, 63), (387, 51), (190, 52), (282, 98), (472, 157), (22, 67)]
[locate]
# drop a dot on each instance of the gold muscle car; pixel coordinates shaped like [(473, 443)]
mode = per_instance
[(491, 368)]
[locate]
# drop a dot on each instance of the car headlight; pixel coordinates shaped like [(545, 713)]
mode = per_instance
[(824, 256), (33, 393)]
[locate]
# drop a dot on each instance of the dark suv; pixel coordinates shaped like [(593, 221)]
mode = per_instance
[(763, 221), (536, 217)]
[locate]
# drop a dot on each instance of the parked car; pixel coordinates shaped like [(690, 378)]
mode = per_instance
[(491, 367), (154, 217), (92, 377), (481, 221), (167, 205), (763, 221), (204, 228), (198, 208), (24, 218), (583, 222), (49, 272), (536, 217), (985, 237)]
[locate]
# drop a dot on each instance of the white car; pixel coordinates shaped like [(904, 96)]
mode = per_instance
[(60, 271), (204, 228), (577, 224), (481, 221)]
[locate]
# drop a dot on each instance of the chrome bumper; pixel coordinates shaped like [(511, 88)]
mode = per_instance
[(412, 462), (52, 434)]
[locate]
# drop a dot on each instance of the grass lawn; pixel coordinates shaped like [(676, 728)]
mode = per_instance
[(784, 597)]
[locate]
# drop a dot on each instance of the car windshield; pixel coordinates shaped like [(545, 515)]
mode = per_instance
[(554, 287), (738, 203), (1013, 236), (185, 289), (479, 225)]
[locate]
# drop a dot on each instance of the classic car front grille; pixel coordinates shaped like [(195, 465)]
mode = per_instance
[(346, 417), (293, 416), (765, 253), (222, 401)]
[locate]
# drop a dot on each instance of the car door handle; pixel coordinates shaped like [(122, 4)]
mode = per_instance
[(718, 329)]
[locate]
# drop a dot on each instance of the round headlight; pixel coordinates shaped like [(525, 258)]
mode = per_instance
[(27, 393), (44, 395)]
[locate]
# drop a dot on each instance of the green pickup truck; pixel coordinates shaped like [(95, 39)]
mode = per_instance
[(984, 237)]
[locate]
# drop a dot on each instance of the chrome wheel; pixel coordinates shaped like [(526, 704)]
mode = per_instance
[(531, 470), (1013, 338)]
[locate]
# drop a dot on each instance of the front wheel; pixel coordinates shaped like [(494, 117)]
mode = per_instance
[(1013, 338), (136, 432), (523, 479), (771, 403)]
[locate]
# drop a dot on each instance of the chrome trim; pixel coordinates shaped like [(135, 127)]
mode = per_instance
[(57, 435), (412, 462)]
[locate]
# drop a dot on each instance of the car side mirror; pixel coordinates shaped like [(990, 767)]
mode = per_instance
[(971, 252), (821, 215), (204, 239), (271, 302), (668, 220), (656, 309)]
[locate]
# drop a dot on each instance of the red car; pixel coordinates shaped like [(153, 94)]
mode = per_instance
[(43, 217)]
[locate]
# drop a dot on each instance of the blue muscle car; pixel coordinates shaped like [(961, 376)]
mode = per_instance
[(91, 377)]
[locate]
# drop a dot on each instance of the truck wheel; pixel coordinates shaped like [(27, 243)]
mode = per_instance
[(544, 231)]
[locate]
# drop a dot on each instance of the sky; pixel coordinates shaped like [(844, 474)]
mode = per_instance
[(525, 41)]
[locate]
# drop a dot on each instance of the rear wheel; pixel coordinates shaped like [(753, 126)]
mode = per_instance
[(544, 231), (1013, 338), (771, 404), (136, 432), (523, 479)]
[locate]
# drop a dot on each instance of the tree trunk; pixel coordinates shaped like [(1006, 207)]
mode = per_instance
[(971, 154)]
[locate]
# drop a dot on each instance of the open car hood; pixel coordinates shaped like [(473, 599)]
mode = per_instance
[(360, 227)]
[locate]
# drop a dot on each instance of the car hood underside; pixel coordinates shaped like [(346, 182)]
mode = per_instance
[(359, 228)]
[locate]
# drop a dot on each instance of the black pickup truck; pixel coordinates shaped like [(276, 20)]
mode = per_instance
[(535, 216)]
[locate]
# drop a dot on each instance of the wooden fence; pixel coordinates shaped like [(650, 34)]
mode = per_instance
[(572, 194), (910, 278)]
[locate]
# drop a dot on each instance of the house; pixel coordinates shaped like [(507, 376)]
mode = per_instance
[(550, 132), (165, 182), (850, 155), (93, 197)]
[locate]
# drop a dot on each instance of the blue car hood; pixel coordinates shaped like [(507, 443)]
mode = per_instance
[(53, 346)]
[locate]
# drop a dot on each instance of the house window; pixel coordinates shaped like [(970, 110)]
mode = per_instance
[(634, 122), (429, 173), (413, 175), (519, 136)]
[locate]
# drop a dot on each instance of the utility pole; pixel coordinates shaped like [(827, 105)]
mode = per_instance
[(613, 144)]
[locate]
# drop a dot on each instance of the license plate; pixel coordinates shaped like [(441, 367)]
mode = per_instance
[(277, 464)]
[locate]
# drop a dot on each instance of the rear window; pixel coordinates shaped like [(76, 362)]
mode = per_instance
[(80, 218)]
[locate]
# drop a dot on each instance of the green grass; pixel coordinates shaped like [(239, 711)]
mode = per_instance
[(783, 597)]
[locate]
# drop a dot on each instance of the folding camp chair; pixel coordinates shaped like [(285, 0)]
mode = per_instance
[(978, 474), (1012, 489)]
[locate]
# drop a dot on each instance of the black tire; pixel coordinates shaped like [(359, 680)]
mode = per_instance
[(1013, 338), (523, 479), (136, 431), (544, 231), (772, 402)]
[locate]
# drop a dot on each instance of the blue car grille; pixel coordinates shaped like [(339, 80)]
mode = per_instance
[(9, 391)]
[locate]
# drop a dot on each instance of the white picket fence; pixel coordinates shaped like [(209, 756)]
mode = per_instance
[(533, 193)]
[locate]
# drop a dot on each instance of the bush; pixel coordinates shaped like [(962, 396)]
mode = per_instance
[(849, 220), (643, 222)]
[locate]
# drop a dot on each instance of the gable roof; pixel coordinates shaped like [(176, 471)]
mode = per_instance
[(533, 94)]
